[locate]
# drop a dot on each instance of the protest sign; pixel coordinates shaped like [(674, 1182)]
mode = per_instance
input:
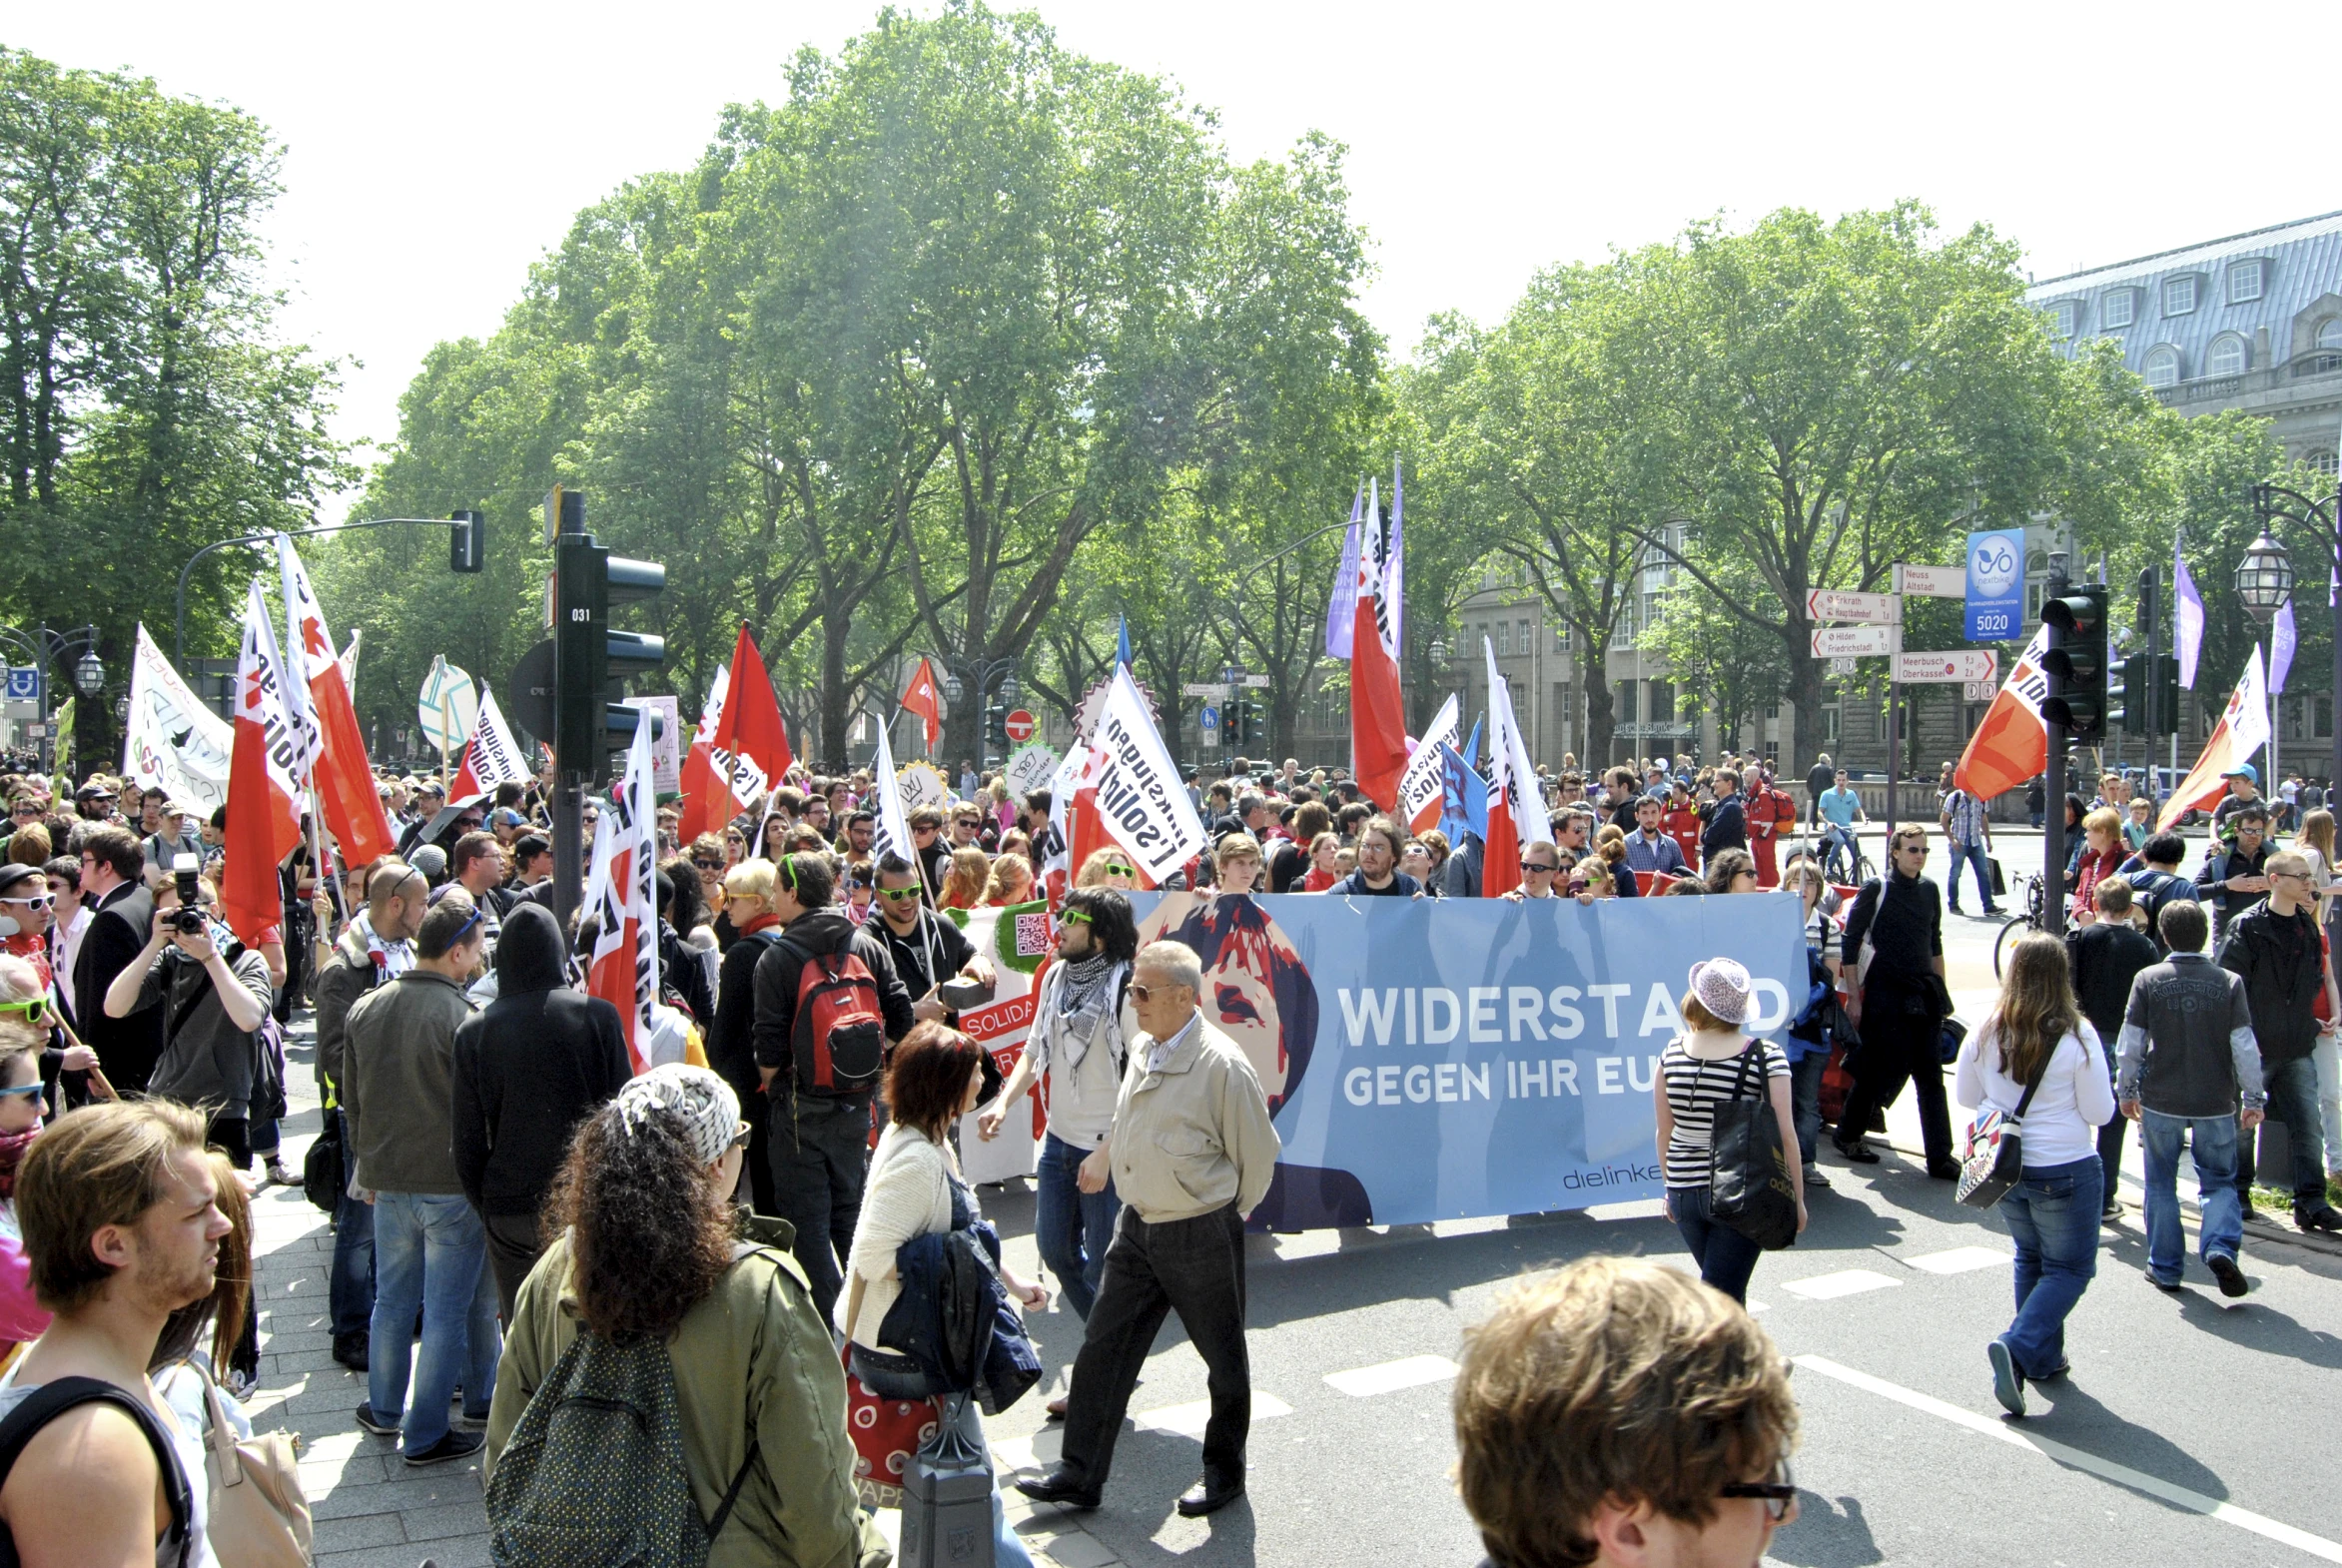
[(1139, 794), (172, 742)]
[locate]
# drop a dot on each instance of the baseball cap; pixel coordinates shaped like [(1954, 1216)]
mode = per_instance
[(506, 817), (2245, 771)]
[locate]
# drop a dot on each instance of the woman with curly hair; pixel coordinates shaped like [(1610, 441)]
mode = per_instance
[(1731, 871), (964, 878), (646, 1248)]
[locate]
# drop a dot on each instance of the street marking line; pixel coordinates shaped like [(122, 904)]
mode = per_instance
[(1847, 1282), (1633, 1209), (1189, 1420), (1958, 1260), (2058, 1453), (1367, 1382)]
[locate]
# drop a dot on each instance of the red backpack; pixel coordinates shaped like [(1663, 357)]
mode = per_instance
[(838, 1038)]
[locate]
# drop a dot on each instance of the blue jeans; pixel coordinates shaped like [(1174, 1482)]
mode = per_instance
[(1972, 856), (2293, 1100), (1804, 1098), (1008, 1547), (1837, 849), (1073, 1227), (430, 1253), (2053, 1219), (1726, 1257), (351, 1294), (2214, 1141)]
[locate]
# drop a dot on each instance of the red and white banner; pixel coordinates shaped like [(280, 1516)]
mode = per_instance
[(1418, 787), (750, 734), (264, 811), (321, 711), (2012, 743), (1378, 719), (491, 756), (1516, 808), (920, 698), (707, 805), (2243, 729), (624, 970)]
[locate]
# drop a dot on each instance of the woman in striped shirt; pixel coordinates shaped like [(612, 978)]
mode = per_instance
[(1700, 1071)]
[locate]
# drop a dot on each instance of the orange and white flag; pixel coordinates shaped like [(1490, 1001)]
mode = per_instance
[(2243, 729), (264, 814), (624, 970), (2012, 743), (325, 717)]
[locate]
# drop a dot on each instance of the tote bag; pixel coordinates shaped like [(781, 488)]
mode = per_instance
[(1748, 1186)]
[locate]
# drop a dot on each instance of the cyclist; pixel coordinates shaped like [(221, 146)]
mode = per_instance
[(1841, 809)]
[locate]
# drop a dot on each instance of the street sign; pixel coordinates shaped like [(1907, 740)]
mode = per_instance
[(1205, 688), (530, 690), (1979, 690), (24, 683), (1955, 664), (448, 706), (1020, 726), (1871, 608), (1996, 585), (1846, 642), (1209, 719), (1931, 582), (37, 731), (1844, 667), (1256, 682)]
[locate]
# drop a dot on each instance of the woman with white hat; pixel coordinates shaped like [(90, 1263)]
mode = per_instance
[(1709, 1065)]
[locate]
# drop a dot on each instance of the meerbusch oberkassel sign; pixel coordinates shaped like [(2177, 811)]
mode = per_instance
[(1444, 1059)]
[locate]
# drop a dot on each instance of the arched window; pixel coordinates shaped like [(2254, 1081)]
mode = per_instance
[(2325, 460), (2226, 356), (2162, 367), (2330, 333)]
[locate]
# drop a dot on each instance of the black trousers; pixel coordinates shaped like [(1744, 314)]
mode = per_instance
[(820, 1156), (1900, 1048), (513, 1249), (1194, 1267)]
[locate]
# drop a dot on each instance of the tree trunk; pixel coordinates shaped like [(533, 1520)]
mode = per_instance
[(834, 707), (1805, 693), (1594, 675)]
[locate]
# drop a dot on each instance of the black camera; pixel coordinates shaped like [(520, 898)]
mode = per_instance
[(187, 918)]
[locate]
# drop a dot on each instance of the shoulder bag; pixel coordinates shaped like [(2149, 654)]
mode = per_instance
[(1748, 1184), (1995, 1146), (257, 1513)]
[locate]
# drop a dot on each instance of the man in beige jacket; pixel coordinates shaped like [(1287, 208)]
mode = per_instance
[(1191, 1152)]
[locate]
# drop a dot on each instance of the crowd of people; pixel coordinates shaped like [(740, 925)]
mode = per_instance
[(525, 1190)]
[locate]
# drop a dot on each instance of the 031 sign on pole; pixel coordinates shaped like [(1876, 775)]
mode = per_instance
[(1847, 642)]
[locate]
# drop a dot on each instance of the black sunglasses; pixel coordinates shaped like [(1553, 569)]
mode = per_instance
[(1777, 1493)]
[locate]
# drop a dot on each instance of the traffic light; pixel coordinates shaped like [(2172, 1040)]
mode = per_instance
[(1231, 721), (1255, 719), (996, 724), (2128, 707), (2076, 663), (591, 661), (2167, 693), (468, 540)]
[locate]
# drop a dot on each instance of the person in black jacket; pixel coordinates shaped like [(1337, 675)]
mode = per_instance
[(110, 865), (1899, 1003), (528, 1068), (1728, 825), (681, 969), (2278, 950), (820, 1144), (2236, 876), (2107, 954)]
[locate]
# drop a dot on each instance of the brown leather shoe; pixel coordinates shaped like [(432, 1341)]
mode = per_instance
[(1057, 1408)]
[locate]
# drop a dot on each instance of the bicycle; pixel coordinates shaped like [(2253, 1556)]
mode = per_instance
[(1828, 852), (2018, 925)]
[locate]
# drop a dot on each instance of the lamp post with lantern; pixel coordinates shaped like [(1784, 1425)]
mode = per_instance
[(44, 648), (2267, 557), (2264, 581)]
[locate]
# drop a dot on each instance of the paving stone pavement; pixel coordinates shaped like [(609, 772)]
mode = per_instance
[(371, 1511)]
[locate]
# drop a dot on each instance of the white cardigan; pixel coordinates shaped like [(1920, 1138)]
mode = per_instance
[(908, 1194)]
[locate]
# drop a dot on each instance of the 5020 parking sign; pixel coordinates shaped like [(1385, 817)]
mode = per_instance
[(1996, 585)]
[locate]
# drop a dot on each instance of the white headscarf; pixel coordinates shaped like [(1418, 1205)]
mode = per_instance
[(702, 1101)]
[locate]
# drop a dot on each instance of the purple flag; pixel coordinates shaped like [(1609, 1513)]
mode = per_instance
[(1341, 611), (2187, 615), (2281, 648), (1392, 567)]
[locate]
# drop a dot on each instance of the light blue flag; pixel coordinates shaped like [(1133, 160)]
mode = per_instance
[(1123, 640)]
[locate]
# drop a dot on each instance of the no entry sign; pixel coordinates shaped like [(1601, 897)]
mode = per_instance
[(1019, 725)]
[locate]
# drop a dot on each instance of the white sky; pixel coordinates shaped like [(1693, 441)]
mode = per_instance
[(434, 150)]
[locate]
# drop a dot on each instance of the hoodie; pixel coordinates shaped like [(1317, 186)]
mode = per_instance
[(778, 971), (530, 1067)]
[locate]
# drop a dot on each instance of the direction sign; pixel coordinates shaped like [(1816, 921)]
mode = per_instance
[(1931, 582), (1955, 664), (1871, 608), (1256, 682), (1020, 726), (1846, 642), (1205, 688)]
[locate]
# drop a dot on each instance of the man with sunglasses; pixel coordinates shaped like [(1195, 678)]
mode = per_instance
[(111, 863), (214, 994), (1899, 1003), (431, 1249), (1540, 872), (2278, 950), (929, 850), (927, 949)]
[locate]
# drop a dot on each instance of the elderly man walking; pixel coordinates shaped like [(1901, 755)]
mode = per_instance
[(1191, 1152)]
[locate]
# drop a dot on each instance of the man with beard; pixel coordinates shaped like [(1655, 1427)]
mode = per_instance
[(122, 1227)]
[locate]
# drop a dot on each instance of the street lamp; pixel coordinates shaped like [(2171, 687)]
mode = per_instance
[(2264, 578), (88, 674), (952, 689), (1439, 650)]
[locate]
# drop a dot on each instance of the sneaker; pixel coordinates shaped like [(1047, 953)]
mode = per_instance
[(1814, 1178), (2112, 1213), (1991, 911), (1858, 1152), (1955, 908), (2328, 1219), (278, 1175), (375, 1423), (2007, 1381), (2167, 1287), (350, 1350), (2231, 1278), (456, 1445)]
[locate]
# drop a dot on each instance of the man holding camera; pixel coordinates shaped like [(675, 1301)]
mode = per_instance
[(214, 992)]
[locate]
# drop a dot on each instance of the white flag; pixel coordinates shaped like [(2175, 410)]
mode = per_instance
[(172, 742), (624, 971), (1144, 804), (1418, 787), (894, 829)]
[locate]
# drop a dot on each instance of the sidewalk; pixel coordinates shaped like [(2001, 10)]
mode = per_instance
[(371, 1511)]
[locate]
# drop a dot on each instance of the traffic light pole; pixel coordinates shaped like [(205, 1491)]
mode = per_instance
[(2053, 784)]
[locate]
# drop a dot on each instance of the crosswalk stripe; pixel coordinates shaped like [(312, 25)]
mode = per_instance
[(1189, 1420), (1847, 1282), (1411, 1371), (1633, 1209), (1959, 1260), (2105, 1469)]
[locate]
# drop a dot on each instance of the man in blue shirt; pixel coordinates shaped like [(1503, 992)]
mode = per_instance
[(1970, 833), (1841, 809), (1650, 849)]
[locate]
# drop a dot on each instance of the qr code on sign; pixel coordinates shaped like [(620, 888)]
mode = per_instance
[(1032, 934)]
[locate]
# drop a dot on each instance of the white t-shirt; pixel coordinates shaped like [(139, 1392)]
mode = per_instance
[(2076, 1099)]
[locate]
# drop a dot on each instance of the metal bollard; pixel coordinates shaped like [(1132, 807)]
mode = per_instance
[(947, 1501)]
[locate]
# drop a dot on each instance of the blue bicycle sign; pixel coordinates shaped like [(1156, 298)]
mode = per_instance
[(1996, 585)]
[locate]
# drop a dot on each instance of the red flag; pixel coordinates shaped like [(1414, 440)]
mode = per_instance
[(2011, 744), (493, 756), (344, 781), (707, 800), (263, 821), (624, 969), (918, 697), (1514, 804), (750, 729), (1378, 719)]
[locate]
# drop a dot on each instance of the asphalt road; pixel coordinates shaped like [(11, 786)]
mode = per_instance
[(2191, 1430)]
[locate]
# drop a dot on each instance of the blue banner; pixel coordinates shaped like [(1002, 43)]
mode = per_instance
[(1996, 585), (1442, 1058)]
